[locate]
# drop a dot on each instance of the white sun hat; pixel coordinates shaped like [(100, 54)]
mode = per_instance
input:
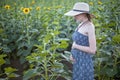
[(78, 8)]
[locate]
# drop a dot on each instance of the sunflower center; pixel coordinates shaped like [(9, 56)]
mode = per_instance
[(26, 10)]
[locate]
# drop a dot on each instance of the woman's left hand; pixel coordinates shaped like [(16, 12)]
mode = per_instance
[(74, 45)]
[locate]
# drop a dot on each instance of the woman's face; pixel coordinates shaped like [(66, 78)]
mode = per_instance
[(79, 17)]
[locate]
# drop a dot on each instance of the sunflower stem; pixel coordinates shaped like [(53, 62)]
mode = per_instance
[(28, 39)]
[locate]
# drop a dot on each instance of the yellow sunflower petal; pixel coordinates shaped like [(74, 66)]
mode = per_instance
[(26, 10), (7, 6)]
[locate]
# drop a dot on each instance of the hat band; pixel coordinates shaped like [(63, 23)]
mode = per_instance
[(80, 10)]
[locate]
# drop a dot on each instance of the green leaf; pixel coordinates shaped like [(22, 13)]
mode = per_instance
[(29, 73), (2, 61), (63, 44), (13, 75), (40, 47), (9, 70), (44, 54), (54, 46), (20, 38), (102, 59), (34, 30), (116, 39), (2, 56), (111, 72), (22, 59), (56, 33), (66, 55), (57, 65), (55, 23), (1, 30), (23, 52), (47, 38)]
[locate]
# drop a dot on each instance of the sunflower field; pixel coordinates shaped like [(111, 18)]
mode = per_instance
[(35, 39)]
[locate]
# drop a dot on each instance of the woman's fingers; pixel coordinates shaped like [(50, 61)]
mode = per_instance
[(72, 59)]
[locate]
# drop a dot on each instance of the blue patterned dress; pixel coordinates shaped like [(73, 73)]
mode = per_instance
[(83, 65)]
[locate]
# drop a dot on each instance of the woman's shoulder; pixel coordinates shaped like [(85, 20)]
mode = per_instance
[(89, 25)]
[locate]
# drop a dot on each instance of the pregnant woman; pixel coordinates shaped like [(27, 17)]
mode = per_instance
[(84, 42)]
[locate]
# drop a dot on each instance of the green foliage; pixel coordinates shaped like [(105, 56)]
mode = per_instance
[(116, 39), (46, 61), (107, 58), (9, 72), (2, 61)]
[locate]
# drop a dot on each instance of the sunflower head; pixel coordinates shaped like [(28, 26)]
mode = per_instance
[(26, 10), (91, 3), (37, 8), (7, 6), (21, 8), (48, 8), (99, 2), (33, 2), (30, 8)]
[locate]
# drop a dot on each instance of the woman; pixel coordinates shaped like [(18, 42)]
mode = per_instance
[(84, 43)]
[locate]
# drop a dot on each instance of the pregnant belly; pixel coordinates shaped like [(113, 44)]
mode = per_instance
[(78, 53)]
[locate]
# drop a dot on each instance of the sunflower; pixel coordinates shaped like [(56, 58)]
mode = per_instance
[(21, 8), (99, 2), (30, 8), (91, 3), (26, 10), (37, 8), (48, 8), (33, 2), (7, 6)]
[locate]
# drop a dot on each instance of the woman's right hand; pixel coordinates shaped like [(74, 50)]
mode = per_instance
[(72, 59)]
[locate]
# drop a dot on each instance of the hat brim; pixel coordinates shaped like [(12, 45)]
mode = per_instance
[(73, 13)]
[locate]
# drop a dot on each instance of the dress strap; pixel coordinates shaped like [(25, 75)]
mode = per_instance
[(81, 25)]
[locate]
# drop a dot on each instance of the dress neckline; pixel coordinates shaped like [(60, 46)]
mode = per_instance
[(80, 27), (81, 34)]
